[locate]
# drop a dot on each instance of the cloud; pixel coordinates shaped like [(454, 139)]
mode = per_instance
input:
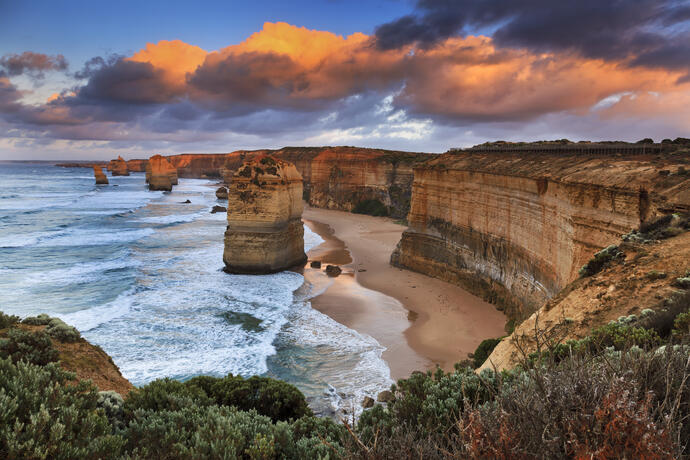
[(289, 82), (32, 64), (649, 32)]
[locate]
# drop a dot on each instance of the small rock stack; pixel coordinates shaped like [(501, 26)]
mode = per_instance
[(100, 176)]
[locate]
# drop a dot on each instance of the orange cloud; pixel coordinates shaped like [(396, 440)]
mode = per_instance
[(287, 66)]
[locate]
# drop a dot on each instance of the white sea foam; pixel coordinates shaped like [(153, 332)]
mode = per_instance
[(90, 318), (86, 272), (91, 237)]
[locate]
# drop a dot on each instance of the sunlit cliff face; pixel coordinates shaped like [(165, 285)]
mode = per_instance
[(319, 82)]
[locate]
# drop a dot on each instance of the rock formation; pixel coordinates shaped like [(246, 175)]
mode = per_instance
[(515, 227), (265, 233), (100, 176), (118, 167), (136, 165), (160, 174), (334, 177), (222, 193), (643, 280)]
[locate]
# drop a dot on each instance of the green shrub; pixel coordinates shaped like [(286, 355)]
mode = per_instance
[(7, 320), (272, 398), (40, 320), (31, 347), (62, 331), (600, 260), (681, 325), (165, 395), (42, 416), (371, 207), (484, 350), (113, 406)]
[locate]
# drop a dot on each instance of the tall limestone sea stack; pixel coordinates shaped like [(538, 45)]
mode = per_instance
[(265, 232), (160, 174), (119, 167), (100, 176)]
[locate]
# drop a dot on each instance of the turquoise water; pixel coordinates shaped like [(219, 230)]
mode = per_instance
[(139, 273)]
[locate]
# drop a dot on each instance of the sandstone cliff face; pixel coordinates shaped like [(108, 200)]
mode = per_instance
[(334, 177), (137, 165), (118, 167), (265, 232), (160, 174), (643, 278), (100, 176), (516, 228)]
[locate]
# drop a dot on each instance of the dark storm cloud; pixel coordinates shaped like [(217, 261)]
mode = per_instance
[(653, 32), (32, 64)]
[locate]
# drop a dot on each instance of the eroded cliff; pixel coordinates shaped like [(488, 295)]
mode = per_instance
[(118, 167), (265, 233), (515, 227)]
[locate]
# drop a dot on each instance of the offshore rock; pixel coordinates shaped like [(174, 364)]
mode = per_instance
[(119, 167), (333, 271), (265, 233), (100, 176), (160, 174), (222, 193), (217, 208)]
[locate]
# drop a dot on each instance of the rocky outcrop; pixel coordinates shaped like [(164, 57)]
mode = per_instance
[(641, 281), (515, 227), (100, 176), (198, 165), (160, 174), (118, 167), (265, 233), (222, 193)]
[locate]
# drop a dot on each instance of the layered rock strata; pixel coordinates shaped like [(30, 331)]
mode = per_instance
[(100, 176), (334, 177), (265, 233), (118, 167), (515, 228), (160, 174)]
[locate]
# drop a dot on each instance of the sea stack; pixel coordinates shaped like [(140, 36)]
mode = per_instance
[(100, 176), (119, 167), (265, 232), (160, 174)]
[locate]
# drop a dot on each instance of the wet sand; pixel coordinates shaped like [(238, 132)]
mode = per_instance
[(421, 321)]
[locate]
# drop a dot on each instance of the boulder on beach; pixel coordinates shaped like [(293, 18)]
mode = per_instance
[(222, 193), (216, 209), (315, 264), (333, 270), (265, 233), (100, 176)]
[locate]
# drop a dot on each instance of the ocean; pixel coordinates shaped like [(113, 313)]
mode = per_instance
[(139, 274)]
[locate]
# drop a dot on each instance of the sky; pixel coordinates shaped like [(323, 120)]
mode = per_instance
[(93, 80)]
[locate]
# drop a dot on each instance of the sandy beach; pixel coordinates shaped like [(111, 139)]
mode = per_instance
[(420, 320)]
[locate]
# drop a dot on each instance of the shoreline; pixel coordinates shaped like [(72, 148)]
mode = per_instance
[(422, 321)]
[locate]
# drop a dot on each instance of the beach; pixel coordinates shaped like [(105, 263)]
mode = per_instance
[(422, 321)]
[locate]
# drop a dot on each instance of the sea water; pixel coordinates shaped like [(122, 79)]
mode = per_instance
[(139, 273)]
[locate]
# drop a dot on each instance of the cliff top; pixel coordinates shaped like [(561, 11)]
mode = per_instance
[(267, 169)]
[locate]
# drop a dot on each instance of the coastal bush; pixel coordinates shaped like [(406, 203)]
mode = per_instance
[(62, 331), (681, 325), (7, 320), (600, 260), (484, 350), (40, 320), (273, 398), (164, 395), (371, 207), (33, 347), (43, 414)]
